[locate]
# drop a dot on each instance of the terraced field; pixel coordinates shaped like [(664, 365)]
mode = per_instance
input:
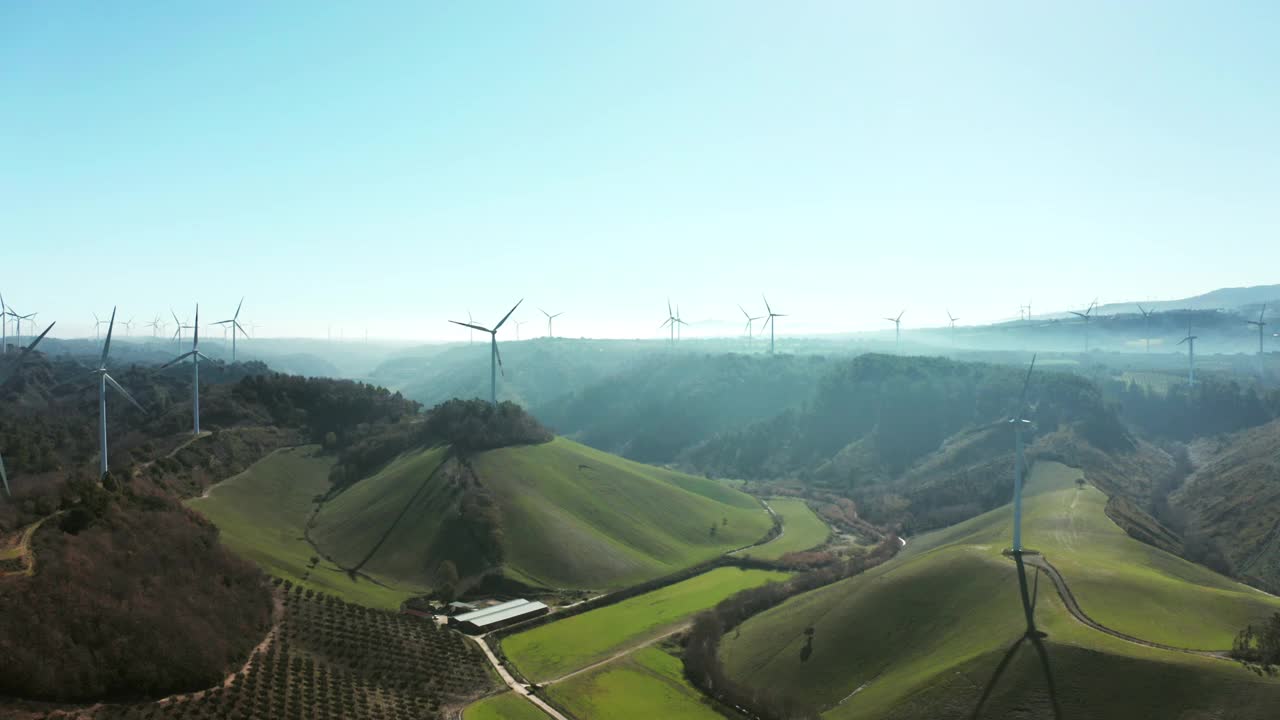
[(924, 636), (555, 649)]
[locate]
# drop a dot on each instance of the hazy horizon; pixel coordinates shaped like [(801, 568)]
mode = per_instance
[(393, 167)]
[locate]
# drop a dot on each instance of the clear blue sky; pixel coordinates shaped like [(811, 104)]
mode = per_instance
[(394, 164)]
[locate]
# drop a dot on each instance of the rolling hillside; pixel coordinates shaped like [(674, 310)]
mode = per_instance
[(923, 636), (557, 514)]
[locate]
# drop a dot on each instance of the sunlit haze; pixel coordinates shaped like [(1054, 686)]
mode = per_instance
[(387, 167)]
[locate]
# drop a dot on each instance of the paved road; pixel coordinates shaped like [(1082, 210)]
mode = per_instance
[(517, 688)]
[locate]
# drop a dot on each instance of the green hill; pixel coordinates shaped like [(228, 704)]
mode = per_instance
[(922, 636), (557, 514)]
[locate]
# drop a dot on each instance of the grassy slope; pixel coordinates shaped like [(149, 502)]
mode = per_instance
[(625, 522), (1120, 582), (261, 513), (801, 530), (943, 615), (555, 649), (649, 684), (354, 522), (507, 706)]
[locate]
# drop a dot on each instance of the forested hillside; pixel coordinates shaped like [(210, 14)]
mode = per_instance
[(666, 404)]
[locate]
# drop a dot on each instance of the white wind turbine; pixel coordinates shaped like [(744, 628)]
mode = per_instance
[(234, 326), (769, 320), (105, 379), (495, 357), (195, 356), (4, 476)]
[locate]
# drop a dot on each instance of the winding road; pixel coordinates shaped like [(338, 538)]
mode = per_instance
[(1073, 606), (516, 687)]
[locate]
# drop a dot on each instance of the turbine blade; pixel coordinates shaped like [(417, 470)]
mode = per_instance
[(237, 315), (556, 315), (1026, 382), (125, 393), (178, 359), (744, 311), (766, 303), (904, 312), (35, 342), (106, 347), (497, 354), (469, 325), (504, 317), (195, 328), (665, 323)]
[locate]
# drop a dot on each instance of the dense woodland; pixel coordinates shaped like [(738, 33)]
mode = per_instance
[(133, 597)]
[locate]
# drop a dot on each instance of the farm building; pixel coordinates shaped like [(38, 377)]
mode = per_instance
[(497, 616)]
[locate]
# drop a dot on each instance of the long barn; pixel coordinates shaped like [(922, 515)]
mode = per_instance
[(497, 616)]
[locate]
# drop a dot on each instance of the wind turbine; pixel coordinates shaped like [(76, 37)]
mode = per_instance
[(4, 476), (155, 325), (4, 329), (177, 327), (670, 322), (1146, 323), (769, 320), (550, 317), (471, 334), (1086, 316), (97, 326), (17, 322), (495, 357), (195, 356), (128, 326), (233, 325), (518, 324), (679, 323), (1190, 340), (952, 320), (1261, 327), (750, 322), (103, 380), (897, 329)]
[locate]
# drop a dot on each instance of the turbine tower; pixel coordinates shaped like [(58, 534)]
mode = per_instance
[(679, 324), (195, 356), (17, 323), (769, 320), (1261, 327), (105, 379), (1086, 316), (897, 329), (495, 357), (1146, 323), (1190, 340), (1019, 423), (952, 320), (97, 326), (750, 322), (233, 325), (4, 329), (4, 476), (550, 317), (518, 323)]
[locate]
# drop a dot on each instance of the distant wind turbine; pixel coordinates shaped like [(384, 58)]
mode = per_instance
[(105, 379), (495, 357), (1086, 316), (471, 334), (97, 326), (17, 323), (177, 327), (952, 320), (897, 329), (155, 325), (195, 356), (750, 322), (1146, 323), (1261, 327), (128, 326), (4, 476), (518, 324), (670, 322), (770, 321), (679, 324), (234, 326), (550, 317), (1190, 340)]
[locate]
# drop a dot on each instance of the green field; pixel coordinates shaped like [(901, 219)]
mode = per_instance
[(507, 706), (801, 530), (261, 514), (646, 685), (921, 636), (557, 648), (571, 517)]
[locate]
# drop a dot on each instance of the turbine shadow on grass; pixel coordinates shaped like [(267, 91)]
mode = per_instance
[(1032, 634)]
